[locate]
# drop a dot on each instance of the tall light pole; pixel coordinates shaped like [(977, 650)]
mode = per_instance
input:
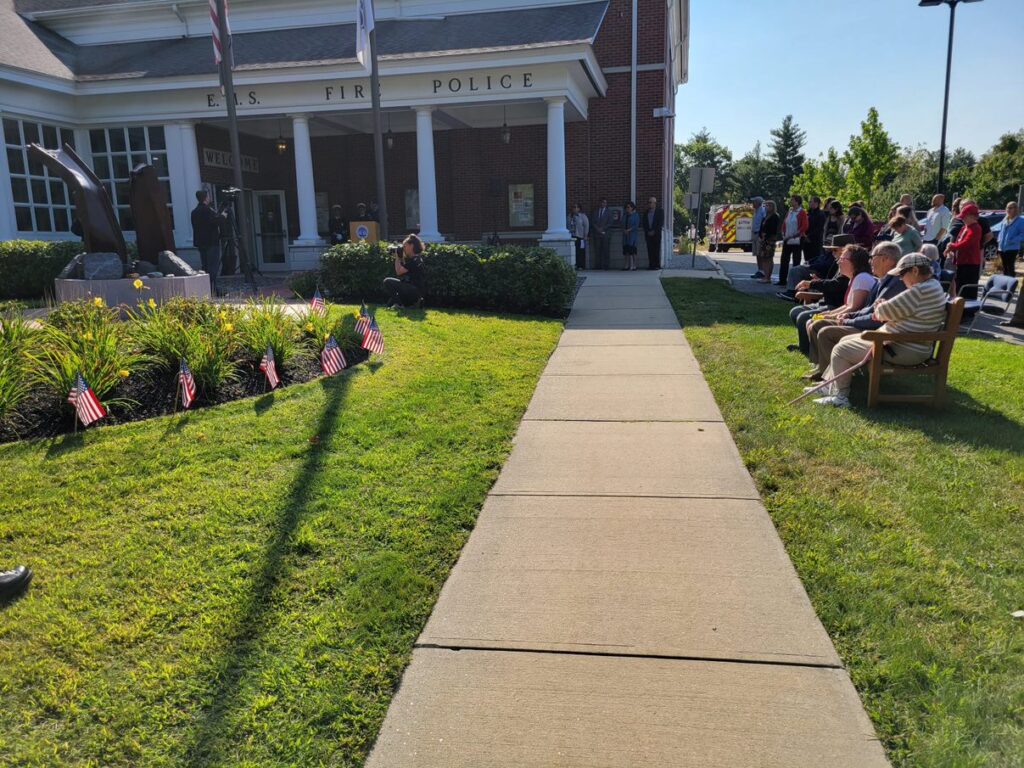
[(949, 67)]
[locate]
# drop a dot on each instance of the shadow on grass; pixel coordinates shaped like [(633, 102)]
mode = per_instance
[(248, 631), (705, 303), (65, 443), (263, 403), (964, 420)]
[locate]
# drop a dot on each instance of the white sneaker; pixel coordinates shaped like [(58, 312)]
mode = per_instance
[(838, 401)]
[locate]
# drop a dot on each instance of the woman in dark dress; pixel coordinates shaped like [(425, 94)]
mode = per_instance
[(769, 237)]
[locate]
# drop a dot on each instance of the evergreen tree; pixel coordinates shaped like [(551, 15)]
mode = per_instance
[(751, 175), (785, 150)]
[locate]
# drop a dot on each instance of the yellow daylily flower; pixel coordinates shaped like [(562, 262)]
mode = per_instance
[(309, 327), (152, 303), (88, 335), (98, 301), (228, 327), (124, 374), (138, 284)]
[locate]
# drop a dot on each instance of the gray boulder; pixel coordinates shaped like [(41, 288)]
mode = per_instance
[(154, 273), (172, 265), (102, 266), (73, 271), (145, 267)]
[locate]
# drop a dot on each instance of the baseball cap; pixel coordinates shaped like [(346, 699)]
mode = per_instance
[(910, 261), (757, 199), (969, 210)]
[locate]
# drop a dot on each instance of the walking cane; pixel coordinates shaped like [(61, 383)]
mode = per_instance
[(808, 393)]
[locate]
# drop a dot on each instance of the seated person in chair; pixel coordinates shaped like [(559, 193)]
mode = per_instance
[(824, 334), (921, 308), (848, 291)]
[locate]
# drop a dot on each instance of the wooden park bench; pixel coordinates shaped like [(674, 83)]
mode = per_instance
[(937, 366)]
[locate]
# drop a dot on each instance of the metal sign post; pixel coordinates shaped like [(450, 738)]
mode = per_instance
[(700, 179)]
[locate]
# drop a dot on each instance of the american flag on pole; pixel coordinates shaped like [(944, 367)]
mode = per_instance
[(188, 385), (364, 320), (269, 367), (364, 26), (88, 407), (333, 359), (317, 304), (373, 339), (218, 47)]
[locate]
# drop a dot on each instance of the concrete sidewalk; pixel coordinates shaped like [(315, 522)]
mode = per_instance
[(624, 599)]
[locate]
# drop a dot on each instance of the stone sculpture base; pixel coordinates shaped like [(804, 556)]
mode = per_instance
[(115, 292)]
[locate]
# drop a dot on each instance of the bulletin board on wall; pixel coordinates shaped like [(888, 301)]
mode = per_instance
[(520, 205)]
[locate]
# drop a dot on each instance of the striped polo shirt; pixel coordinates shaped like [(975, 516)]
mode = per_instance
[(919, 309)]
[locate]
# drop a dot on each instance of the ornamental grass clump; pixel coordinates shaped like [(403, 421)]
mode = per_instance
[(86, 338), (268, 323), (198, 331), (316, 328), (16, 337)]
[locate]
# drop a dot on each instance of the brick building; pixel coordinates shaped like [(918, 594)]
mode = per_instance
[(498, 114)]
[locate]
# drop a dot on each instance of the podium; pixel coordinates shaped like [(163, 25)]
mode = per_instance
[(367, 231)]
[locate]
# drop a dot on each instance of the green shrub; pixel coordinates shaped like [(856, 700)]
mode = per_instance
[(453, 275), (86, 338), (527, 280), (15, 341), (356, 271), (510, 279), (28, 267), (269, 323), (304, 284)]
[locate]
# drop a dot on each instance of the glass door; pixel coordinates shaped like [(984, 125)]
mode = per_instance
[(271, 229)]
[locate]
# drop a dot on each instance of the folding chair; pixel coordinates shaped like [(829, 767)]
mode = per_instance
[(1000, 287)]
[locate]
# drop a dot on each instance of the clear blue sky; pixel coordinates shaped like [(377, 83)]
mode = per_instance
[(826, 62)]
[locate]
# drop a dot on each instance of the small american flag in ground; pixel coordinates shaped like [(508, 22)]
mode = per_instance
[(188, 385), (317, 305), (364, 320), (269, 367), (373, 339), (88, 407), (333, 359)]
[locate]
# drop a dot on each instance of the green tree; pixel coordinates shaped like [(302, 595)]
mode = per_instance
[(825, 177), (1000, 172), (872, 160), (751, 175), (702, 151), (785, 151)]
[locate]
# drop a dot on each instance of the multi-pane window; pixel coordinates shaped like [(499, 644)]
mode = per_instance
[(116, 151), (41, 200)]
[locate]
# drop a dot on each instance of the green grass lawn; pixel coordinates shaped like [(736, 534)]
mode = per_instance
[(905, 524), (242, 586)]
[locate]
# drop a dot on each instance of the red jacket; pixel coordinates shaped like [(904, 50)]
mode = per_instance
[(967, 248)]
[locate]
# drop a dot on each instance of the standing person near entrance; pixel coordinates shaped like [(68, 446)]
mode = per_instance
[(937, 220), (579, 228), (406, 289), (206, 226), (769, 237), (630, 231), (794, 228), (653, 220), (600, 222), (337, 227)]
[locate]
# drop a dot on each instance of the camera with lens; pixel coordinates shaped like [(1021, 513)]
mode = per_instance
[(230, 194), (395, 249)]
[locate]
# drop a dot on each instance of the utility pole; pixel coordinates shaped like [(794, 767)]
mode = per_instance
[(228, 83)]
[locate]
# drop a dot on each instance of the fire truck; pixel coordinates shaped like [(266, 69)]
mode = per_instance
[(730, 226)]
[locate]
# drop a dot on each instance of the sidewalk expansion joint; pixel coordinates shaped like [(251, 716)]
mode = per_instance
[(607, 654)]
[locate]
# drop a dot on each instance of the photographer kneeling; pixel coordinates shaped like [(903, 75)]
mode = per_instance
[(406, 289)]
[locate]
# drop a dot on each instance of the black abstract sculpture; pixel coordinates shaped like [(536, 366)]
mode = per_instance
[(153, 231), (100, 229)]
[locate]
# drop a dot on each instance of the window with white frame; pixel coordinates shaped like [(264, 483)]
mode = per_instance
[(116, 151), (42, 202)]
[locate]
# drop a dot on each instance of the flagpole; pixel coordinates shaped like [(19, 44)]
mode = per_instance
[(228, 82), (378, 134)]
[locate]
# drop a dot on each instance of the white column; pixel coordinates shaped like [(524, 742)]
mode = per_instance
[(183, 167), (557, 236), (427, 176), (304, 186)]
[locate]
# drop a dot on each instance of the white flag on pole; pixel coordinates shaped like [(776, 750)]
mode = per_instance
[(364, 25)]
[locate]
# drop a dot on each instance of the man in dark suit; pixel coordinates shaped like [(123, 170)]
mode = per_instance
[(599, 224), (653, 220)]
